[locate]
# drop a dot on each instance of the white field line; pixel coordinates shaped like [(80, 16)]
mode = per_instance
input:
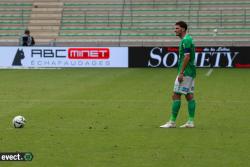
[(209, 72)]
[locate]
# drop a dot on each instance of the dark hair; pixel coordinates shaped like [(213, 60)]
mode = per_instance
[(26, 31), (182, 24)]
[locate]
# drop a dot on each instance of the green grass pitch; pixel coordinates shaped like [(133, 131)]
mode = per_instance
[(111, 118)]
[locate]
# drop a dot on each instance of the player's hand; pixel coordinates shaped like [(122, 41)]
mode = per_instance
[(180, 77)]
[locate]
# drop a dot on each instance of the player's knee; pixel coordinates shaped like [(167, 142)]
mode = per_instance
[(176, 96), (189, 97)]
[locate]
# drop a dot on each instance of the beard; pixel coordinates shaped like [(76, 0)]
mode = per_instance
[(178, 34)]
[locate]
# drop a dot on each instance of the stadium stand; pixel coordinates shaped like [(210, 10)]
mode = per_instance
[(130, 22), (14, 17)]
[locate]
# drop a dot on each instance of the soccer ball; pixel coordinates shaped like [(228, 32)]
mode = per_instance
[(18, 121)]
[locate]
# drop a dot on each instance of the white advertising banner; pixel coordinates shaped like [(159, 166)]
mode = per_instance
[(56, 57)]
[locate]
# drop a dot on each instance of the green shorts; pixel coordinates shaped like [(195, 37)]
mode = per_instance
[(185, 87)]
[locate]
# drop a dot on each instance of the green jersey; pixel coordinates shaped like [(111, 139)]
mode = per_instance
[(186, 45)]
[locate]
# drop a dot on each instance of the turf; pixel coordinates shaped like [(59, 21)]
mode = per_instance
[(111, 118)]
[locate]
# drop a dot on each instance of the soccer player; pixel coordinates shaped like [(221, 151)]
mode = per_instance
[(184, 83)]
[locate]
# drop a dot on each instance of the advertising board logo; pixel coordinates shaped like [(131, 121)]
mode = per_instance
[(204, 57), (159, 57), (89, 53), (18, 58)]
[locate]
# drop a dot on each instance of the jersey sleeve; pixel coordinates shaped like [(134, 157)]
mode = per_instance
[(187, 46)]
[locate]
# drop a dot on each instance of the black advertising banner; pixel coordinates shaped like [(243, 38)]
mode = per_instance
[(167, 57)]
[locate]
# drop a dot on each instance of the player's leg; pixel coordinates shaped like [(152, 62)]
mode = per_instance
[(191, 106), (176, 103)]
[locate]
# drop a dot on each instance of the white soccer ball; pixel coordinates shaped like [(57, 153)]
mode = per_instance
[(19, 121)]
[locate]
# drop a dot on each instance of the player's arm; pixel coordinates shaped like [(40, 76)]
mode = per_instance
[(184, 64)]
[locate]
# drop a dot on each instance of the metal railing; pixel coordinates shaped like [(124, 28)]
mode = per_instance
[(121, 24), (128, 15)]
